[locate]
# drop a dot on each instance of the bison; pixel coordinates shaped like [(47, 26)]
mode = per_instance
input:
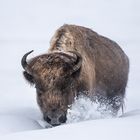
[(79, 61)]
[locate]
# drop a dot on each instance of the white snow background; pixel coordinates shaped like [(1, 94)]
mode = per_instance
[(29, 24)]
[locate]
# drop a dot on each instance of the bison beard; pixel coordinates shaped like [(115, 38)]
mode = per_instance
[(79, 61)]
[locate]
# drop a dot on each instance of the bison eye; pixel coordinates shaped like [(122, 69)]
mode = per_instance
[(39, 89)]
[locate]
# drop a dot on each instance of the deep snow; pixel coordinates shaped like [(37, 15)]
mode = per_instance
[(27, 25)]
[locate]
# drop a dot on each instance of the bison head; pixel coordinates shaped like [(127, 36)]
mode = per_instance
[(55, 76)]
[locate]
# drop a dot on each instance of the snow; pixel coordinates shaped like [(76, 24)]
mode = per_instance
[(99, 129), (29, 25)]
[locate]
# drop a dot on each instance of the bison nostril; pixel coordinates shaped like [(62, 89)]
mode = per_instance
[(62, 119), (47, 119)]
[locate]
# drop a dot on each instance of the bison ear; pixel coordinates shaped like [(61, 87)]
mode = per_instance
[(28, 77), (77, 63)]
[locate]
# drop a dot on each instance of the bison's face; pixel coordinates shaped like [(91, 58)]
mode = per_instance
[(55, 77)]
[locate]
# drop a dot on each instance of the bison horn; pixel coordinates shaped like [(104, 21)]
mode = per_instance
[(78, 61), (24, 62)]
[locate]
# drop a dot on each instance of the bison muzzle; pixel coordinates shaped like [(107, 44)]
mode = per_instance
[(79, 61)]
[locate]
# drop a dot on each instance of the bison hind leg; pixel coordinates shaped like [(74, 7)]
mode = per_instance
[(114, 104), (110, 105)]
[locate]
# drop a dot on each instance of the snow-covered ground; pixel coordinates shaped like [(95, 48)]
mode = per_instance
[(29, 24)]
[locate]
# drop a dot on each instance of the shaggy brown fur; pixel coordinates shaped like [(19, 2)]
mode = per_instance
[(79, 61)]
